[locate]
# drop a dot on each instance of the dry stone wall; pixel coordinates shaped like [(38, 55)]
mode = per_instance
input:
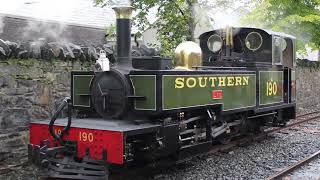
[(308, 87), (30, 89)]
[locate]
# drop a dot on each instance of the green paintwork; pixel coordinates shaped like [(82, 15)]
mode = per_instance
[(81, 90), (144, 85), (234, 97), (271, 77)]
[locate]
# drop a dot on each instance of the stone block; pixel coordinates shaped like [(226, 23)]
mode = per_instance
[(7, 101), (27, 83), (43, 95), (9, 82), (16, 91), (64, 79), (37, 112), (14, 117), (50, 77), (1, 82)]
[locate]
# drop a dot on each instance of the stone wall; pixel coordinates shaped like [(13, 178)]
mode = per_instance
[(30, 89), (308, 87)]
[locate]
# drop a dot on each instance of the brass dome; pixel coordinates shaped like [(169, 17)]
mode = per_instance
[(187, 55)]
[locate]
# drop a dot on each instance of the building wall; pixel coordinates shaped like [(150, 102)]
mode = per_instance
[(149, 37), (28, 29)]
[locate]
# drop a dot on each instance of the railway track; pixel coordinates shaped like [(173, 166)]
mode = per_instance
[(285, 171), (306, 114), (295, 166), (299, 120)]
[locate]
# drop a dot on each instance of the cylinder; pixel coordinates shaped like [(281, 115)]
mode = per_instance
[(123, 14)]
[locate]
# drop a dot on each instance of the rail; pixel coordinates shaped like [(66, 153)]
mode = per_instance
[(293, 167)]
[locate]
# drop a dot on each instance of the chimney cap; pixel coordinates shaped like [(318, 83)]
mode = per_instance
[(123, 12)]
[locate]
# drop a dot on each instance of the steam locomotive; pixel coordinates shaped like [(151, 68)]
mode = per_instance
[(144, 109)]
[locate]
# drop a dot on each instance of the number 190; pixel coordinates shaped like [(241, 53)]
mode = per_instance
[(271, 88), (84, 136)]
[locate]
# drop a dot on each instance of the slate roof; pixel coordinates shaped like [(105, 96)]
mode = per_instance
[(76, 12)]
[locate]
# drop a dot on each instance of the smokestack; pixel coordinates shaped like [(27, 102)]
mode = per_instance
[(123, 14)]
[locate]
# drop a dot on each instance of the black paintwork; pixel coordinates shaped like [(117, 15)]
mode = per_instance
[(240, 55), (124, 42), (109, 93), (152, 63)]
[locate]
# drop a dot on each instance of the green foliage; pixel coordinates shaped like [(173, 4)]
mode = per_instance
[(111, 31), (26, 63), (174, 25), (176, 20), (300, 18)]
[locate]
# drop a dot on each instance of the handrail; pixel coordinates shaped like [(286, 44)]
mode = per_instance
[(59, 137)]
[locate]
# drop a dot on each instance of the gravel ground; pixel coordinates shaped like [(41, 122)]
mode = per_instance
[(25, 172), (301, 110), (255, 161), (13, 157)]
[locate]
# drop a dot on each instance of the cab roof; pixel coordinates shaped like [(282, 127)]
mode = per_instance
[(265, 30)]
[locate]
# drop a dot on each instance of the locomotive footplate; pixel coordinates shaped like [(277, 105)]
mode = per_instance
[(127, 127), (101, 137)]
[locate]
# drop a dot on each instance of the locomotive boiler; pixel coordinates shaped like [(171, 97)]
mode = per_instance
[(145, 109)]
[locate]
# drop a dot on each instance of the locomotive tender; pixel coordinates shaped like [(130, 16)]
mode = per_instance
[(144, 109)]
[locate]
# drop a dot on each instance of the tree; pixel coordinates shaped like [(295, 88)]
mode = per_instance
[(176, 19), (297, 17)]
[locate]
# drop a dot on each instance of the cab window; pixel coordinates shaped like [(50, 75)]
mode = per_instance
[(277, 47)]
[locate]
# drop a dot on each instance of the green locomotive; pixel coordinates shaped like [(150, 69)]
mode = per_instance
[(143, 109)]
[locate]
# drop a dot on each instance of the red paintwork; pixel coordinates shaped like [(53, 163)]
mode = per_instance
[(217, 94), (111, 141)]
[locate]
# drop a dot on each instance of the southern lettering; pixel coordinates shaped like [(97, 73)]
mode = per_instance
[(208, 81)]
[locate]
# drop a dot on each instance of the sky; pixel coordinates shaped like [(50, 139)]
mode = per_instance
[(228, 17)]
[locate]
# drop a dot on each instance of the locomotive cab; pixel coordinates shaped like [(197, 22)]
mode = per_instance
[(247, 47), (254, 49)]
